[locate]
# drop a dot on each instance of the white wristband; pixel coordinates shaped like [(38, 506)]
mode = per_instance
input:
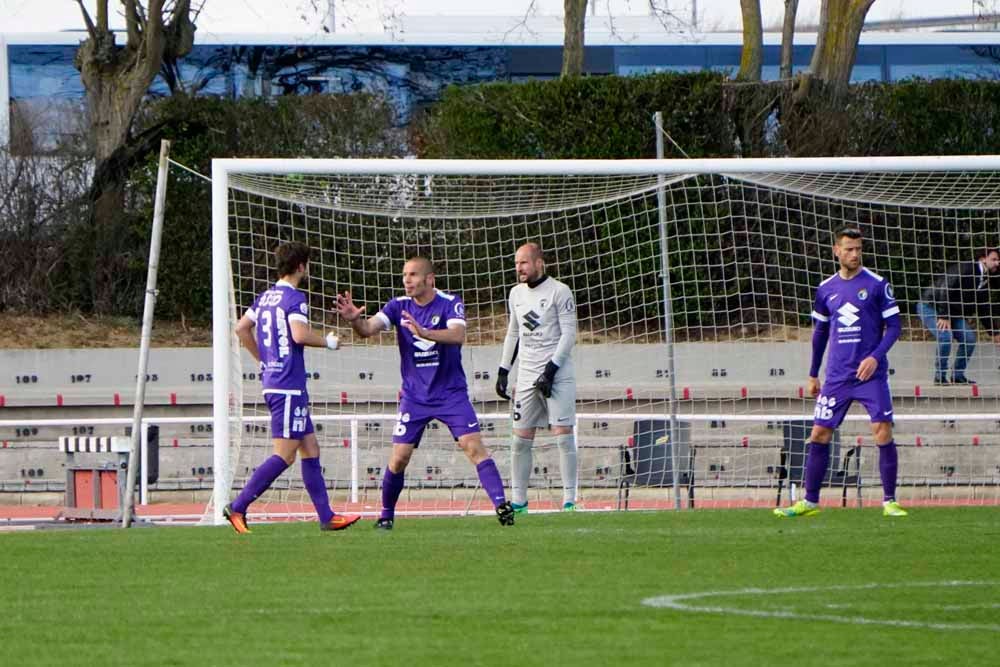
[(332, 342)]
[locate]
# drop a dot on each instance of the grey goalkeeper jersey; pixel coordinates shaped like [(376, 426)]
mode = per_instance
[(541, 327)]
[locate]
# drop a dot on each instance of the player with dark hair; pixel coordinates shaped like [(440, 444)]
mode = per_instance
[(860, 308), (275, 329)]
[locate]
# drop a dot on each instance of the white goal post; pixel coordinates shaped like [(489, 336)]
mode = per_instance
[(739, 245)]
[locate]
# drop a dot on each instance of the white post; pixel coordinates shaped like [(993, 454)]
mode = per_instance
[(144, 469), (149, 306), (354, 460), (4, 95), (668, 325), (221, 337)]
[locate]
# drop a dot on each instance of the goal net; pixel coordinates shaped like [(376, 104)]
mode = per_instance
[(694, 282)]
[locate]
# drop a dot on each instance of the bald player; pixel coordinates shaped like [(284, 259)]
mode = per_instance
[(430, 329), (541, 331)]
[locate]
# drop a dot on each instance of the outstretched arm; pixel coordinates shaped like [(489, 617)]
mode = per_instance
[(353, 314), (303, 334)]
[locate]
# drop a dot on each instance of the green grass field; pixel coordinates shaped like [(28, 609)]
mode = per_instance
[(553, 590)]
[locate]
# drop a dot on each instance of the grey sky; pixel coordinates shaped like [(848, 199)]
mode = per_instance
[(366, 16)]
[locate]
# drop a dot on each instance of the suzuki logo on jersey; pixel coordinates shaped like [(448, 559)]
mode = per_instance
[(532, 320), (848, 314), (824, 407), (423, 343)]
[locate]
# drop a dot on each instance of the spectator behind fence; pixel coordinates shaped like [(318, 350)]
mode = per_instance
[(960, 293)]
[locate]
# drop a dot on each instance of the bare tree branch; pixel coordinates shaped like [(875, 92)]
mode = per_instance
[(91, 30), (102, 16), (574, 27), (132, 25), (154, 37), (787, 38), (752, 56)]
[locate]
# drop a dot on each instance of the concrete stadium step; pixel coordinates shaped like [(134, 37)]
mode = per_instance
[(727, 372)]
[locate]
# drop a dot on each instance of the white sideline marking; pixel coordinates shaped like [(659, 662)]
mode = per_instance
[(679, 603)]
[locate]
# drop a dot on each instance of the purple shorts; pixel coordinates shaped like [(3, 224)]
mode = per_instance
[(458, 415), (289, 413), (836, 397)]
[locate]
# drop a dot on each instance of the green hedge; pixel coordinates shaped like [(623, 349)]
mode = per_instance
[(588, 117), (582, 117)]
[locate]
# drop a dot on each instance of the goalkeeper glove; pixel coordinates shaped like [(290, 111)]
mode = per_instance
[(544, 382), (502, 374), (332, 342)]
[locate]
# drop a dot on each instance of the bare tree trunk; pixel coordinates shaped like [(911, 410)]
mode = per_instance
[(787, 39), (752, 56), (117, 79), (574, 22), (840, 26)]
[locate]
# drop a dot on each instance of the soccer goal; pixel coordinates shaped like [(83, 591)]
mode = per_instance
[(694, 281)]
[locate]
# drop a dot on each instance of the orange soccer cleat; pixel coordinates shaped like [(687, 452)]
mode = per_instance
[(339, 522), (237, 520)]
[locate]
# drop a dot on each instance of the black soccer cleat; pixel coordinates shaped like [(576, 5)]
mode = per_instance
[(383, 524), (505, 514)]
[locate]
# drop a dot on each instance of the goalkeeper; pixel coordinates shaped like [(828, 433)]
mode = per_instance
[(542, 331)]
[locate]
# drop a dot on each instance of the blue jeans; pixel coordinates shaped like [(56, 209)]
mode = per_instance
[(963, 334)]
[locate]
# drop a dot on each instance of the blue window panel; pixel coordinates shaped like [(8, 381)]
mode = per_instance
[(863, 73), (631, 70), (43, 72), (947, 71)]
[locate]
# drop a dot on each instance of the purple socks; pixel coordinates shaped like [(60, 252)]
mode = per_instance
[(817, 461), (260, 481), (312, 476), (392, 486), (489, 476), (888, 468)]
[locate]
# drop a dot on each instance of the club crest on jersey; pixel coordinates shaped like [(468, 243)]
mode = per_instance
[(543, 303), (888, 291), (460, 309), (435, 320), (863, 294)]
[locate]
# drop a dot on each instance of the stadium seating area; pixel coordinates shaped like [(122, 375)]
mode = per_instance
[(728, 453)]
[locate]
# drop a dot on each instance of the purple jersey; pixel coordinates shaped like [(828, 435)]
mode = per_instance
[(432, 372), (282, 362), (856, 310)]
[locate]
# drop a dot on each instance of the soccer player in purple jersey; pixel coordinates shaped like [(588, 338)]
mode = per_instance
[(430, 331), (280, 316), (859, 306)]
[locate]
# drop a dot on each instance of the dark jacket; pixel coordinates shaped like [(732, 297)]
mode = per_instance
[(961, 292)]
